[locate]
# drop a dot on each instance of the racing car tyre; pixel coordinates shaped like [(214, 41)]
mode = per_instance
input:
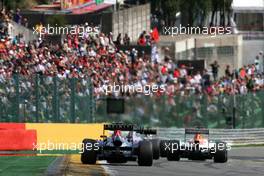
[(174, 155), (88, 156), (220, 155), (156, 148), (163, 148), (145, 154)]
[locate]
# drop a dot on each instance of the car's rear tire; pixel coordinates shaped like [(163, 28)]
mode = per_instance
[(163, 148), (89, 155), (173, 155), (145, 154), (220, 155), (156, 148)]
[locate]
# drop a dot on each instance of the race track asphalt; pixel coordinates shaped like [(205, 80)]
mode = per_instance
[(242, 162)]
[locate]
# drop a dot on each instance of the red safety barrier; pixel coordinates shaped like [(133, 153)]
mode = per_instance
[(17, 139), (8, 126)]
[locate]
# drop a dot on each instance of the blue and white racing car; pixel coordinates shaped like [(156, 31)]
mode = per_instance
[(135, 144)]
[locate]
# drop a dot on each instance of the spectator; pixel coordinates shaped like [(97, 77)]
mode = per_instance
[(215, 68), (250, 84), (17, 16), (206, 79), (142, 39), (126, 40), (243, 88), (118, 39), (25, 22), (228, 73), (242, 73)]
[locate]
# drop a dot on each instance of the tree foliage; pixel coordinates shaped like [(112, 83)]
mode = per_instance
[(195, 12), (171, 7), (57, 20), (23, 4)]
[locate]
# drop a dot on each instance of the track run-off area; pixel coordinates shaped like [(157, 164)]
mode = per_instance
[(242, 161)]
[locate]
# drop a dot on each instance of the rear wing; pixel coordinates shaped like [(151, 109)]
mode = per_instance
[(147, 131), (130, 127), (119, 126), (196, 131)]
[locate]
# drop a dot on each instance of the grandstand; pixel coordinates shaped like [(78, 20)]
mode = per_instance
[(71, 75), (226, 49), (248, 19)]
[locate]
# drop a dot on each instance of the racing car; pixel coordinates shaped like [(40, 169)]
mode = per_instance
[(137, 145), (200, 147)]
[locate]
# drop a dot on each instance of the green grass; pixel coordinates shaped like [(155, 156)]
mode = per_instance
[(47, 152), (24, 165)]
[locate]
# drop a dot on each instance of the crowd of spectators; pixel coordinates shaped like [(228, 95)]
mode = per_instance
[(5, 26), (97, 57)]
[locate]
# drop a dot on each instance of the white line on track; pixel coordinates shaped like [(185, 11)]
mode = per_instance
[(107, 169)]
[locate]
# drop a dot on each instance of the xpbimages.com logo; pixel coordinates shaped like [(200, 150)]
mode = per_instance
[(60, 146), (79, 30), (191, 30), (172, 147)]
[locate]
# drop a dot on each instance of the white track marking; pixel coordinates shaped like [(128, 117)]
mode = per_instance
[(107, 169)]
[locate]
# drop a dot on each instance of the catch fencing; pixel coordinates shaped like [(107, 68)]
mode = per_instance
[(45, 99), (69, 100), (232, 136), (191, 110)]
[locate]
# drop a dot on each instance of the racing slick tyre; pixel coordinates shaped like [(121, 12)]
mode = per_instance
[(145, 154), (173, 154), (89, 155), (220, 155), (163, 148), (155, 148)]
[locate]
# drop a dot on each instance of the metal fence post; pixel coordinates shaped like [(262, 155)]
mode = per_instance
[(262, 105), (234, 112), (37, 97), (164, 109), (72, 103), (55, 100), (92, 102), (16, 117)]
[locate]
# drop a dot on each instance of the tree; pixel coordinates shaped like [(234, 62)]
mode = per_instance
[(228, 7), (224, 8), (43, 1), (21, 4), (194, 12), (205, 8), (214, 12), (155, 4), (170, 8), (187, 9), (56, 20)]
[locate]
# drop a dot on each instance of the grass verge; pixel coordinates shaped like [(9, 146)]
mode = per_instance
[(24, 165)]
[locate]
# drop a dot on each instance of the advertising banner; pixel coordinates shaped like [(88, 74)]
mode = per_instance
[(65, 4)]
